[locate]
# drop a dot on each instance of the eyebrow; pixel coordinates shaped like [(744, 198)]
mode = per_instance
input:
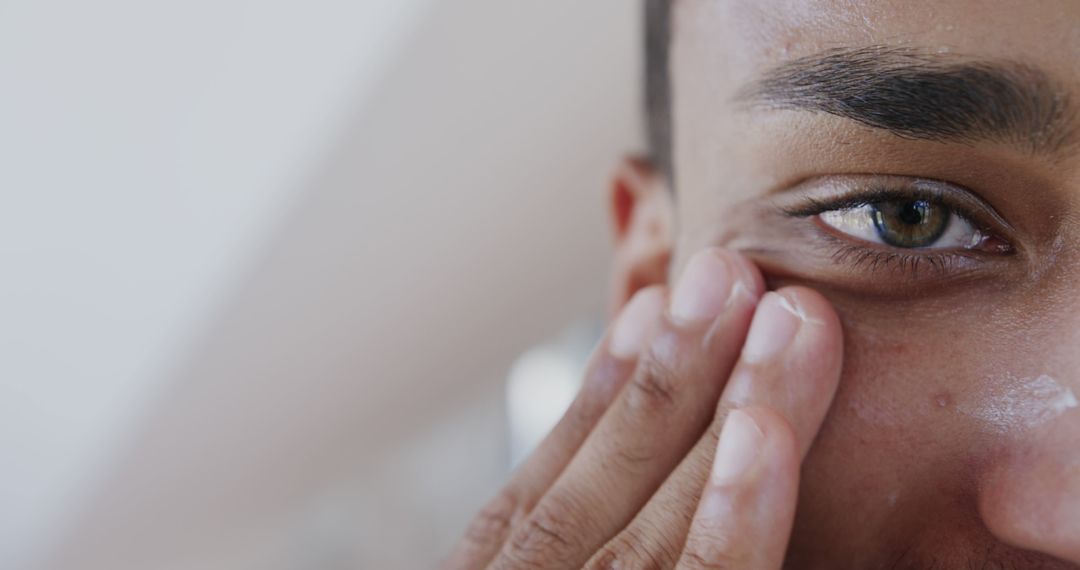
[(927, 96)]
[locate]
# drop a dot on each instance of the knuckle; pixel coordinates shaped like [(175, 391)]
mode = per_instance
[(653, 386), (636, 548), (581, 416), (621, 555), (548, 535), (661, 545), (633, 457), (712, 553), (491, 525)]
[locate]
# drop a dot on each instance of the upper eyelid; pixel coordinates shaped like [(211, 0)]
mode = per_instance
[(817, 206), (962, 201)]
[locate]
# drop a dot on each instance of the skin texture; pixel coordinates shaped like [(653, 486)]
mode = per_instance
[(953, 436), (617, 482), (909, 468)]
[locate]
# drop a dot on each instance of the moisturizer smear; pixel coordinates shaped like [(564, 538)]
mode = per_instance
[(1021, 403)]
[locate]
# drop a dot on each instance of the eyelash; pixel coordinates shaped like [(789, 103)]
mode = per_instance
[(872, 256), (814, 206), (862, 257)]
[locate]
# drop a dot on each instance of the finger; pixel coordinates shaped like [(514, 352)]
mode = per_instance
[(609, 366), (747, 508), (790, 364), (659, 414), (792, 361)]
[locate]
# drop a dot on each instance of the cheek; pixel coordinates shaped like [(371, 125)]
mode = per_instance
[(904, 404), (915, 428), (914, 375), (923, 380), (894, 448)]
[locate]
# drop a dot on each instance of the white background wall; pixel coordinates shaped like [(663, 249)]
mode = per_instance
[(266, 264)]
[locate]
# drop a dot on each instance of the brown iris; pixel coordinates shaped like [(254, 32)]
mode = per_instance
[(910, 223)]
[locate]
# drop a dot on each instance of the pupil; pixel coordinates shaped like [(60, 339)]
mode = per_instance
[(913, 213)]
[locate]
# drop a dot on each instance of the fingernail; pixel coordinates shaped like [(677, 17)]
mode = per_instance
[(637, 319), (772, 330), (737, 450), (703, 289)]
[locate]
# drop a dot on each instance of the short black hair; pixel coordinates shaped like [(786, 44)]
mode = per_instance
[(658, 86)]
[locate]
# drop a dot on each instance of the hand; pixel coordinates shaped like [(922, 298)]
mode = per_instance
[(623, 480)]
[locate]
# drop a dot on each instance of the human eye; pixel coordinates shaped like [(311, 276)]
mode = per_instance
[(900, 222), (907, 223)]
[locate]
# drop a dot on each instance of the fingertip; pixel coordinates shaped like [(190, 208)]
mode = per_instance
[(810, 306), (820, 324), (637, 321), (750, 276)]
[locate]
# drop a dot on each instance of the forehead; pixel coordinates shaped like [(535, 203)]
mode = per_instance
[(737, 38)]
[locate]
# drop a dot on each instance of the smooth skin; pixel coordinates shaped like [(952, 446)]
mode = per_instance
[(668, 382)]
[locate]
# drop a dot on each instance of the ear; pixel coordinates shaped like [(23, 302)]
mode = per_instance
[(642, 220)]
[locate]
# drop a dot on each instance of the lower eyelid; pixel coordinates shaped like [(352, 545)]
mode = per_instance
[(914, 263), (803, 250)]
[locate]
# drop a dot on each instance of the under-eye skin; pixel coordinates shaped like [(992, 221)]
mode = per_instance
[(901, 223)]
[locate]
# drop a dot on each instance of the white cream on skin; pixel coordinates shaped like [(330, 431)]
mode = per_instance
[(1021, 403)]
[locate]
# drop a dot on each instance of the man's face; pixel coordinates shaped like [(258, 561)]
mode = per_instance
[(832, 142)]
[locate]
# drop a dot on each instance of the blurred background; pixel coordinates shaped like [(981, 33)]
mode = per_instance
[(290, 284)]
